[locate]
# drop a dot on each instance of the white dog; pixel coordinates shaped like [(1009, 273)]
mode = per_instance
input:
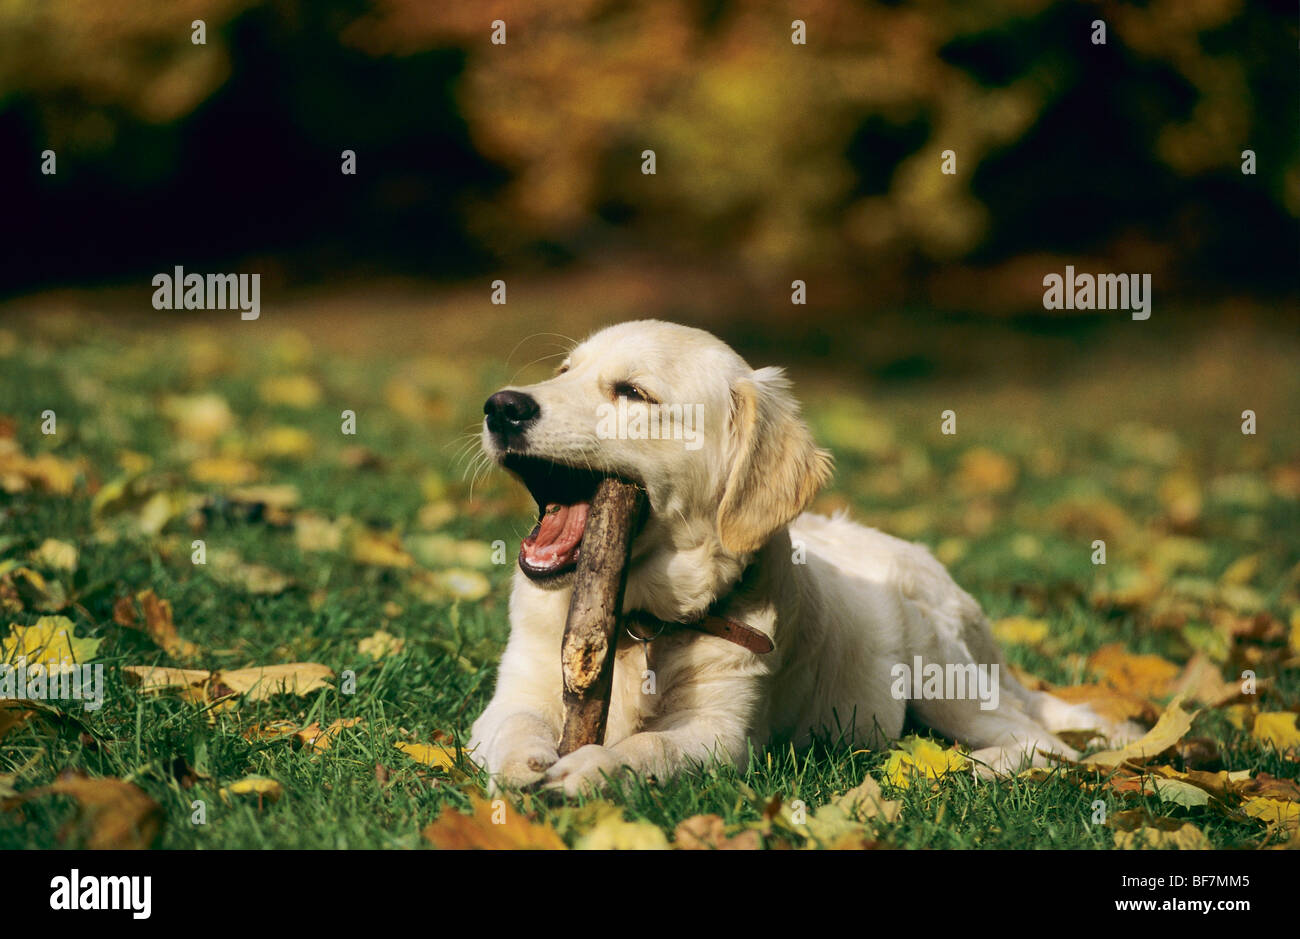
[(772, 622)]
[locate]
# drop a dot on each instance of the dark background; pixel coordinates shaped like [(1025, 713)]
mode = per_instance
[(775, 161)]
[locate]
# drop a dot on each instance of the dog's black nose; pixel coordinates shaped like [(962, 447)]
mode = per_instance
[(510, 412)]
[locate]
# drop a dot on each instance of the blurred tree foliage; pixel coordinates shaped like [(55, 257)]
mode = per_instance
[(771, 156)]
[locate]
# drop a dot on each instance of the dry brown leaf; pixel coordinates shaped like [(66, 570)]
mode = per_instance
[(1147, 676), (314, 532), (272, 730), (113, 814), (866, 801), (161, 678), (318, 740), (13, 713), (1114, 705), (258, 683), (1186, 837), (361, 458), (47, 472), (1202, 681), (158, 623), (1198, 752), (124, 613), (708, 833), (494, 826), (1218, 784), (229, 569), (1270, 787), (984, 471), (261, 683), (162, 628)]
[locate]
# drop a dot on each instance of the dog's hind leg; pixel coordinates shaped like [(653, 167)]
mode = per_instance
[(1057, 715), (1002, 739)]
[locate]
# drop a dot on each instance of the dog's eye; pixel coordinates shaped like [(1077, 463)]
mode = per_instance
[(625, 389)]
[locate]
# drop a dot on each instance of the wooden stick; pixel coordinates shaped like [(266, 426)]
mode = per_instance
[(595, 611)]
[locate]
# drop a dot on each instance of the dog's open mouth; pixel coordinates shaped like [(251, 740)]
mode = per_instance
[(563, 495)]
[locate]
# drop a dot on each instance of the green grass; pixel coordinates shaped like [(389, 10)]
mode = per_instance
[(1093, 437)]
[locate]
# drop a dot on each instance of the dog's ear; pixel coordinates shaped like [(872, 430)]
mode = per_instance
[(775, 468)]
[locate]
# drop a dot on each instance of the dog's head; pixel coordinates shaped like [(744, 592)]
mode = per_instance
[(718, 446)]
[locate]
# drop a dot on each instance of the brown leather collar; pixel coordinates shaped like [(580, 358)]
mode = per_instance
[(732, 630)]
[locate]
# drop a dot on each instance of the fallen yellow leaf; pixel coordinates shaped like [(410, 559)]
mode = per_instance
[(51, 641), (1171, 728), (201, 418), (612, 832), (428, 754), (923, 758), (1242, 571), (1021, 630), (265, 789), (1279, 729), (1241, 716), (381, 644), (380, 550), (56, 555), (1284, 815), (223, 471), (318, 740), (296, 391)]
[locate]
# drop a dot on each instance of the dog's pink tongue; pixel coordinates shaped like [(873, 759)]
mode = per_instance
[(558, 535)]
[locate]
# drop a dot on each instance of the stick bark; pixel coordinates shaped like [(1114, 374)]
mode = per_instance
[(595, 611)]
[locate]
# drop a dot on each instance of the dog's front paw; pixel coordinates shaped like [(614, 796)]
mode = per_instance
[(583, 770), (515, 764)]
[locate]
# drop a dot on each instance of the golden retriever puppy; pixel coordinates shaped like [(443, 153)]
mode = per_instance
[(765, 621)]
